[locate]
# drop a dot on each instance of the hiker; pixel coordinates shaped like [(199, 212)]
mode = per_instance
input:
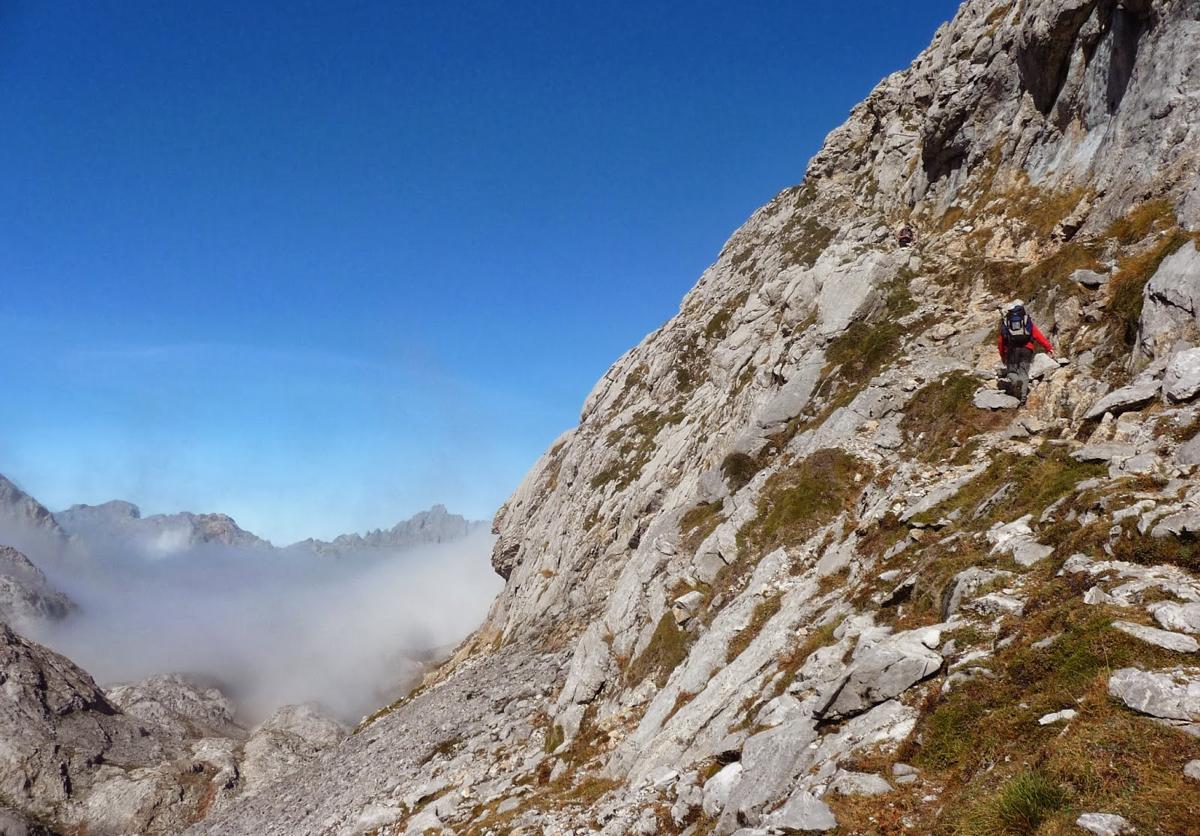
[(1015, 343), (905, 236)]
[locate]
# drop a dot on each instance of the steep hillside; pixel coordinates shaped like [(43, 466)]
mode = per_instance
[(798, 567)]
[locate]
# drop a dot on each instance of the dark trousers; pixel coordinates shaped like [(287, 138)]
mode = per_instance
[(1016, 371)]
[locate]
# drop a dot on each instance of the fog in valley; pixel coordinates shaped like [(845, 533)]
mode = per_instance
[(268, 626)]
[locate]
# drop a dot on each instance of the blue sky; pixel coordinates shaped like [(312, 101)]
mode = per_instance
[(322, 264)]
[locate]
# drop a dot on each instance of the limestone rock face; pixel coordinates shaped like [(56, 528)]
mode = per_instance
[(57, 725), (177, 704)]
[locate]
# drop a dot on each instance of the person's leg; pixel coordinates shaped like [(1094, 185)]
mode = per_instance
[(1022, 358)]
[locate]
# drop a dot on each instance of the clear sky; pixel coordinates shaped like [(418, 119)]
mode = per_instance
[(319, 265)]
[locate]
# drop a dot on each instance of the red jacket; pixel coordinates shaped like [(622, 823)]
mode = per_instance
[(1038, 337)]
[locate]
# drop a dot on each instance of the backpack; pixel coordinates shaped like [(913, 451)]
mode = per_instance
[(1017, 327)]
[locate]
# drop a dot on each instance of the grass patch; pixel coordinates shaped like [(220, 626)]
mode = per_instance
[(764, 611), (739, 469), (981, 740), (803, 239), (1134, 547), (1019, 806), (1036, 481), (797, 500), (635, 444), (668, 647), (942, 416), (699, 522), (1151, 216), (866, 346)]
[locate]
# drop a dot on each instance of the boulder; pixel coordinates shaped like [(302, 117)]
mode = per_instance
[(1182, 524), (1105, 824), (718, 787), (995, 399), (686, 606), (1182, 379), (1192, 770), (803, 813), (1043, 365), (1182, 618), (859, 783), (1104, 452), (880, 672), (1159, 638), (1172, 694), (1016, 538), (1172, 302), (772, 762), (1188, 453), (1089, 278), (1134, 396)]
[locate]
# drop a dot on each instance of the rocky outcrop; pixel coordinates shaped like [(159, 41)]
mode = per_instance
[(25, 594), (178, 705), (57, 725), (286, 741)]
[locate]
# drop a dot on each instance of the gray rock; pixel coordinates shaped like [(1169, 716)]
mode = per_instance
[(1169, 694), (772, 761), (718, 787), (1182, 524), (176, 703), (1182, 379), (26, 597), (58, 728), (859, 783), (1105, 824), (1188, 453), (994, 399), (1057, 717), (686, 606), (1171, 306), (1043, 365), (1182, 618), (289, 739), (1133, 396), (803, 813), (880, 672), (1160, 638), (1105, 452), (1090, 278), (1192, 770)]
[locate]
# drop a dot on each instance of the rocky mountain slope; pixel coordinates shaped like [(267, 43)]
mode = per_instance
[(122, 523), (799, 568)]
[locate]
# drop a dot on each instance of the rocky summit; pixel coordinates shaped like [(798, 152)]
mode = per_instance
[(801, 567)]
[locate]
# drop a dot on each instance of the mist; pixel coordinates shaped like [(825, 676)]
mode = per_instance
[(269, 627)]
